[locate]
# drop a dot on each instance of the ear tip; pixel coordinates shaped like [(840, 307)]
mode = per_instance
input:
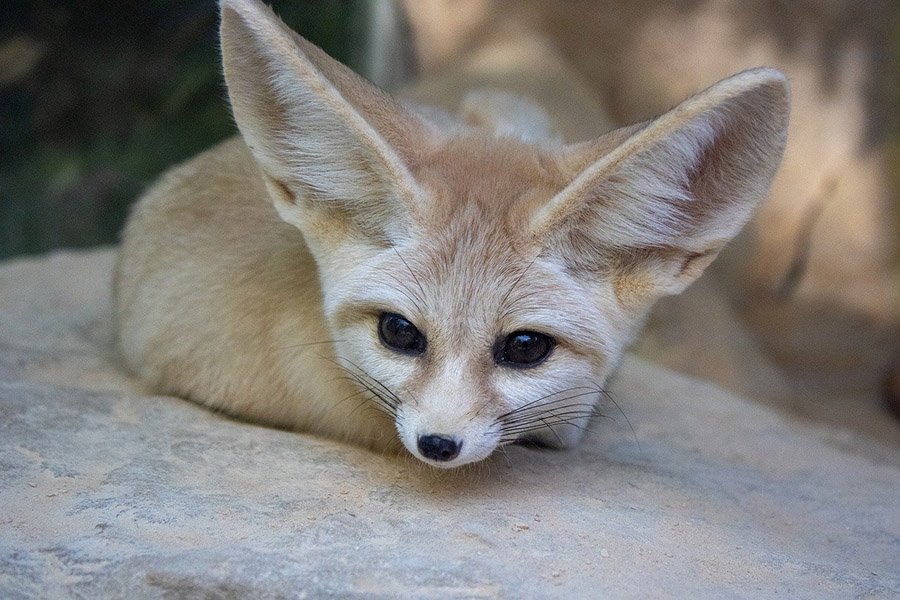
[(768, 88), (232, 9), (230, 6), (767, 77), (241, 18), (238, 5), (232, 23), (247, 10)]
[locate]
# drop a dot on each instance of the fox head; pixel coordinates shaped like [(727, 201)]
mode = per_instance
[(479, 287)]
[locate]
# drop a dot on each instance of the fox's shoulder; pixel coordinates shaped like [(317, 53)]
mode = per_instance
[(224, 165), (209, 213)]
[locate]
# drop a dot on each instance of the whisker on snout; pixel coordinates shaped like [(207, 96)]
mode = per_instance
[(548, 412), (372, 389), (539, 402), (378, 393), (608, 395)]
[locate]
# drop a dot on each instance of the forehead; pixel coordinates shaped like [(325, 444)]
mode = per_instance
[(477, 263), (470, 263), (501, 181), (470, 281)]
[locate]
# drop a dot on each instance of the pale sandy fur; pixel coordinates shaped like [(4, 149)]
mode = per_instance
[(225, 302)]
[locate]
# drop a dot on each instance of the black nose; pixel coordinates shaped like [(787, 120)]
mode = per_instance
[(438, 447)]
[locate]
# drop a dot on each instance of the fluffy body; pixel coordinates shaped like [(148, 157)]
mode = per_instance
[(252, 278)]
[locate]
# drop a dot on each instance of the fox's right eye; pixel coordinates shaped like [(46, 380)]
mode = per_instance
[(397, 333)]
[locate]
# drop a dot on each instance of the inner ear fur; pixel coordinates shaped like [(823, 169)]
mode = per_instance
[(326, 140), (660, 205)]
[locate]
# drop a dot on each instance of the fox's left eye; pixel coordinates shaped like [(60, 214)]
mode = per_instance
[(523, 349)]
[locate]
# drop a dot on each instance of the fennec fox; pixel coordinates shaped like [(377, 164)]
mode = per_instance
[(474, 278)]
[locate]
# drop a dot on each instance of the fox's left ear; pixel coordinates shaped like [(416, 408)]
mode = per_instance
[(656, 208)]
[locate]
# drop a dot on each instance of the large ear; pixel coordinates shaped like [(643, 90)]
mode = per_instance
[(658, 201), (327, 141)]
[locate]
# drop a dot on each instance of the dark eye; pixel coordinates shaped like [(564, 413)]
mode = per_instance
[(397, 333), (523, 349)]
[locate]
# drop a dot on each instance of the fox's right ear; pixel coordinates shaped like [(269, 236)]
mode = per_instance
[(328, 142)]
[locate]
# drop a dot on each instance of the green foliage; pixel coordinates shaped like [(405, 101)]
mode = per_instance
[(97, 98)]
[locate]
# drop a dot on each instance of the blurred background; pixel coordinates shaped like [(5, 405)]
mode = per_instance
[(98, 97)]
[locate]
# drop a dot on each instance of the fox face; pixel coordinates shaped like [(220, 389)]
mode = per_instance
[(471, 340), (481, 286)]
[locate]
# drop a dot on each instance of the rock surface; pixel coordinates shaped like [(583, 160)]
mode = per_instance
[(107, 491)]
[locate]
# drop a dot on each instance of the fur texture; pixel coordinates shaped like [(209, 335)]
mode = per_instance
[(471, 227)]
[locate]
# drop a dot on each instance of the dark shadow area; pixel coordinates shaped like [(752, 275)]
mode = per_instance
[(97, 98)]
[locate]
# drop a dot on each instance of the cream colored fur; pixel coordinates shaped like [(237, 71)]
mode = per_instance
[(252, 277)]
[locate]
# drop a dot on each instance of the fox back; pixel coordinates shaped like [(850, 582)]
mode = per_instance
[(472, 278)]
